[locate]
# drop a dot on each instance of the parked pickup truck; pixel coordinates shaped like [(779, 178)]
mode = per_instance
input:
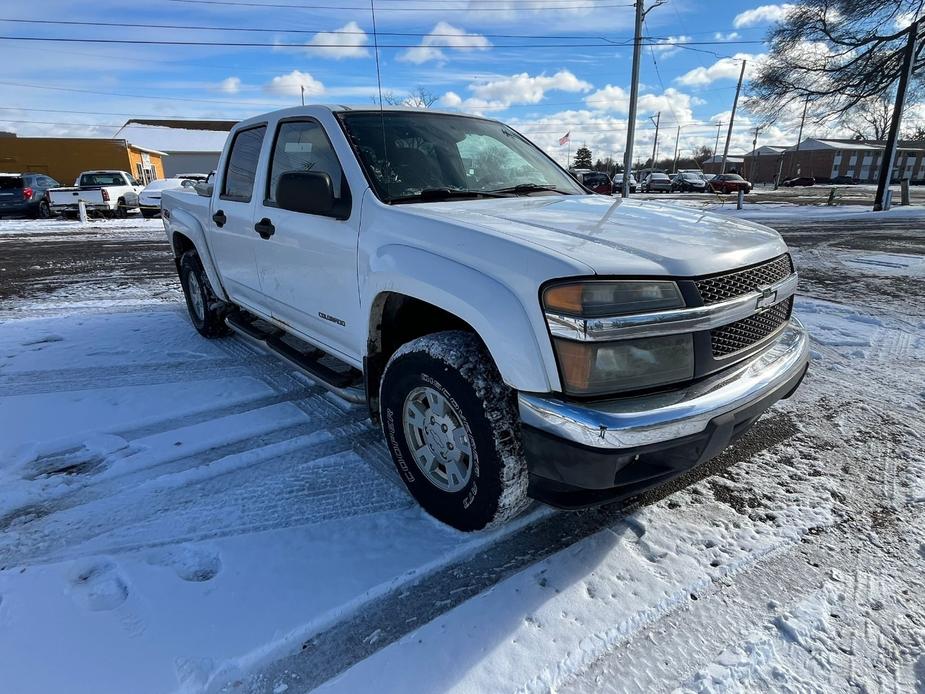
[(513, 335), (110, 193)]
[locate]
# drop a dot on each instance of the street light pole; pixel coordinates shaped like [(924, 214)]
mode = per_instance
[(677, 142)]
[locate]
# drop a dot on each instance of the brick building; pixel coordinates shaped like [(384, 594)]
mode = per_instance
[(824, 159)]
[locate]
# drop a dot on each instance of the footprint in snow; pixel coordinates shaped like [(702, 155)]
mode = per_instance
[(191, 563), (98, 586)]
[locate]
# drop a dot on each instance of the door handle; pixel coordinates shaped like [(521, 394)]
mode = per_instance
[(219, 218), (265, 228)]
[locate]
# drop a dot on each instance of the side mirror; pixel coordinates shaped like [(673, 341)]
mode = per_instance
[(311, 192)]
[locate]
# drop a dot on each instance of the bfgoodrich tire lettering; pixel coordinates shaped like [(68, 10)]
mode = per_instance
[(456, 367), (206, 311)]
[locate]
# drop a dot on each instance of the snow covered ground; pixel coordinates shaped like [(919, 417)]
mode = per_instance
[(188, 515)]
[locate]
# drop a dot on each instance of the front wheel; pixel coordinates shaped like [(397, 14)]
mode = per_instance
[(451, 426), (206, 311)]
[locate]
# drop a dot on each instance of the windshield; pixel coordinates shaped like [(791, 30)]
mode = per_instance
[(659, 177), (432, 151)]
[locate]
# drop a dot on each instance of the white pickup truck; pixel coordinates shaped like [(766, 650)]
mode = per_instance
[(515, 335), (110, 193)]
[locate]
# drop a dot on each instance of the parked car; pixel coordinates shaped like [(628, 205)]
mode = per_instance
[(596, 181), (656, 183), (844, 180), (513, 335), (618, 183), (688, 183), (149, 199), (799, 181), (24, 194), (110, 193), (729, 183)]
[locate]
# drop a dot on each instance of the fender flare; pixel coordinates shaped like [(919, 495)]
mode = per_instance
[(491, 308), (183, 223)]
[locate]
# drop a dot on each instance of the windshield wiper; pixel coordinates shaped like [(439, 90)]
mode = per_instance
[(527, 188), (438, 194)]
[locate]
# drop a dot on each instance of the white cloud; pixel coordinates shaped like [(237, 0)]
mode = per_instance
[(675, 106), (345, 45), (443, 35), (501, 93), (764, 14), (291, 84), (731, 36), (722, 69), (669, 46), (230, 85)]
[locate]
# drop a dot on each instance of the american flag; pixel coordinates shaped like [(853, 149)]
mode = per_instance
[(565, 138)]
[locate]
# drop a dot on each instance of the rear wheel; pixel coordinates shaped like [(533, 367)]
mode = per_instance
[(452, 429), (121, 209), (44, 211), (206, 311)]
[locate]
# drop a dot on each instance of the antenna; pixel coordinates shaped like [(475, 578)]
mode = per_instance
[(385, 153)]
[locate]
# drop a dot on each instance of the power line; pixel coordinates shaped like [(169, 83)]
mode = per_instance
[(534, 7), (302, 46), (348, 32)]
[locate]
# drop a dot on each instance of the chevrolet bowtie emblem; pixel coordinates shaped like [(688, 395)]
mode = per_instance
[(767, 298)]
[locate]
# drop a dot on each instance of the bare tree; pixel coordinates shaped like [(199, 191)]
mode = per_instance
[(418, 98), (839, 53), (869, 119)]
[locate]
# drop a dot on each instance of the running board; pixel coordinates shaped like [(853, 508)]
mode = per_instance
[(344, 384)]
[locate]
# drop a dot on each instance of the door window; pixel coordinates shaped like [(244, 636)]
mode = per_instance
[(242, 164), (304, 146)]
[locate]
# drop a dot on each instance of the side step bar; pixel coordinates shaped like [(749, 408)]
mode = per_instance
[(344, 384)]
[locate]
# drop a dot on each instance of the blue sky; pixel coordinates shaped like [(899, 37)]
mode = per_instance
[(577, 82)]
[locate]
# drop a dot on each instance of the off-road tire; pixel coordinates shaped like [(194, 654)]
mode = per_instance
[(456, 365), (210, 321)]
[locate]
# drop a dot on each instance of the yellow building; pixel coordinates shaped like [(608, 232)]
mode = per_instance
[(63, 158)]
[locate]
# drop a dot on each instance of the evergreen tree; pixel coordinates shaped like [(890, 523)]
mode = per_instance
[(582, 158)]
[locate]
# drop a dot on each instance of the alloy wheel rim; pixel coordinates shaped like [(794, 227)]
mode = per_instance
[(195, 295), (437, 438)]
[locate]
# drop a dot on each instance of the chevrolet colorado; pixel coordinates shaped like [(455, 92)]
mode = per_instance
[(514, 335)]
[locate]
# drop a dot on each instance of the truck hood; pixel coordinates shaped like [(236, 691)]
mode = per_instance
[(618, 237)]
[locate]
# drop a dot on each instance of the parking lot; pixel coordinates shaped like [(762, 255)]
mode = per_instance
[(270, 503)]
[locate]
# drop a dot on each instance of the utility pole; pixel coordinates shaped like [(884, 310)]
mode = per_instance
[(677, 142), (796, 151), (889, 153), (658, 118), (719, 125), (634, 93), (735, 105), (754, 154), (302, 87)]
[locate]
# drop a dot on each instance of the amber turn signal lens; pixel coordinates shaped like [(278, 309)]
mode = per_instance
[(567, 298)]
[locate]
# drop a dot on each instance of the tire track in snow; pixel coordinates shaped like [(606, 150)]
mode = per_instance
[(302, 481), (413, 603)]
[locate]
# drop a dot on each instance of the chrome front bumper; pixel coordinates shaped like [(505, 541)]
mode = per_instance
[(652, 419)]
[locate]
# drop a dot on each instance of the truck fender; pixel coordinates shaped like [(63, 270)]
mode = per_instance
[(491, 308), (186, 224)]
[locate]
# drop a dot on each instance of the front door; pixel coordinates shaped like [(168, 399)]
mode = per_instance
[(308, 263), (232, 235)]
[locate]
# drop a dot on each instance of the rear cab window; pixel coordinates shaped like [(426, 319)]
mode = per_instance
[(241, 167)]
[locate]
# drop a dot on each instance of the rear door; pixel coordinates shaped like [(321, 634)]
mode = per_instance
[(308, 266), (232, 237), (11, 188)]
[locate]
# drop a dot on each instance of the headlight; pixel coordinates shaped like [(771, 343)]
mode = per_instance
[(595, 368), (595, 299), (591, 367)]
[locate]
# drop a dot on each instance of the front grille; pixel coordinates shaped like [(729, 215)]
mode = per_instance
[(746, 332), (731, 284)]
